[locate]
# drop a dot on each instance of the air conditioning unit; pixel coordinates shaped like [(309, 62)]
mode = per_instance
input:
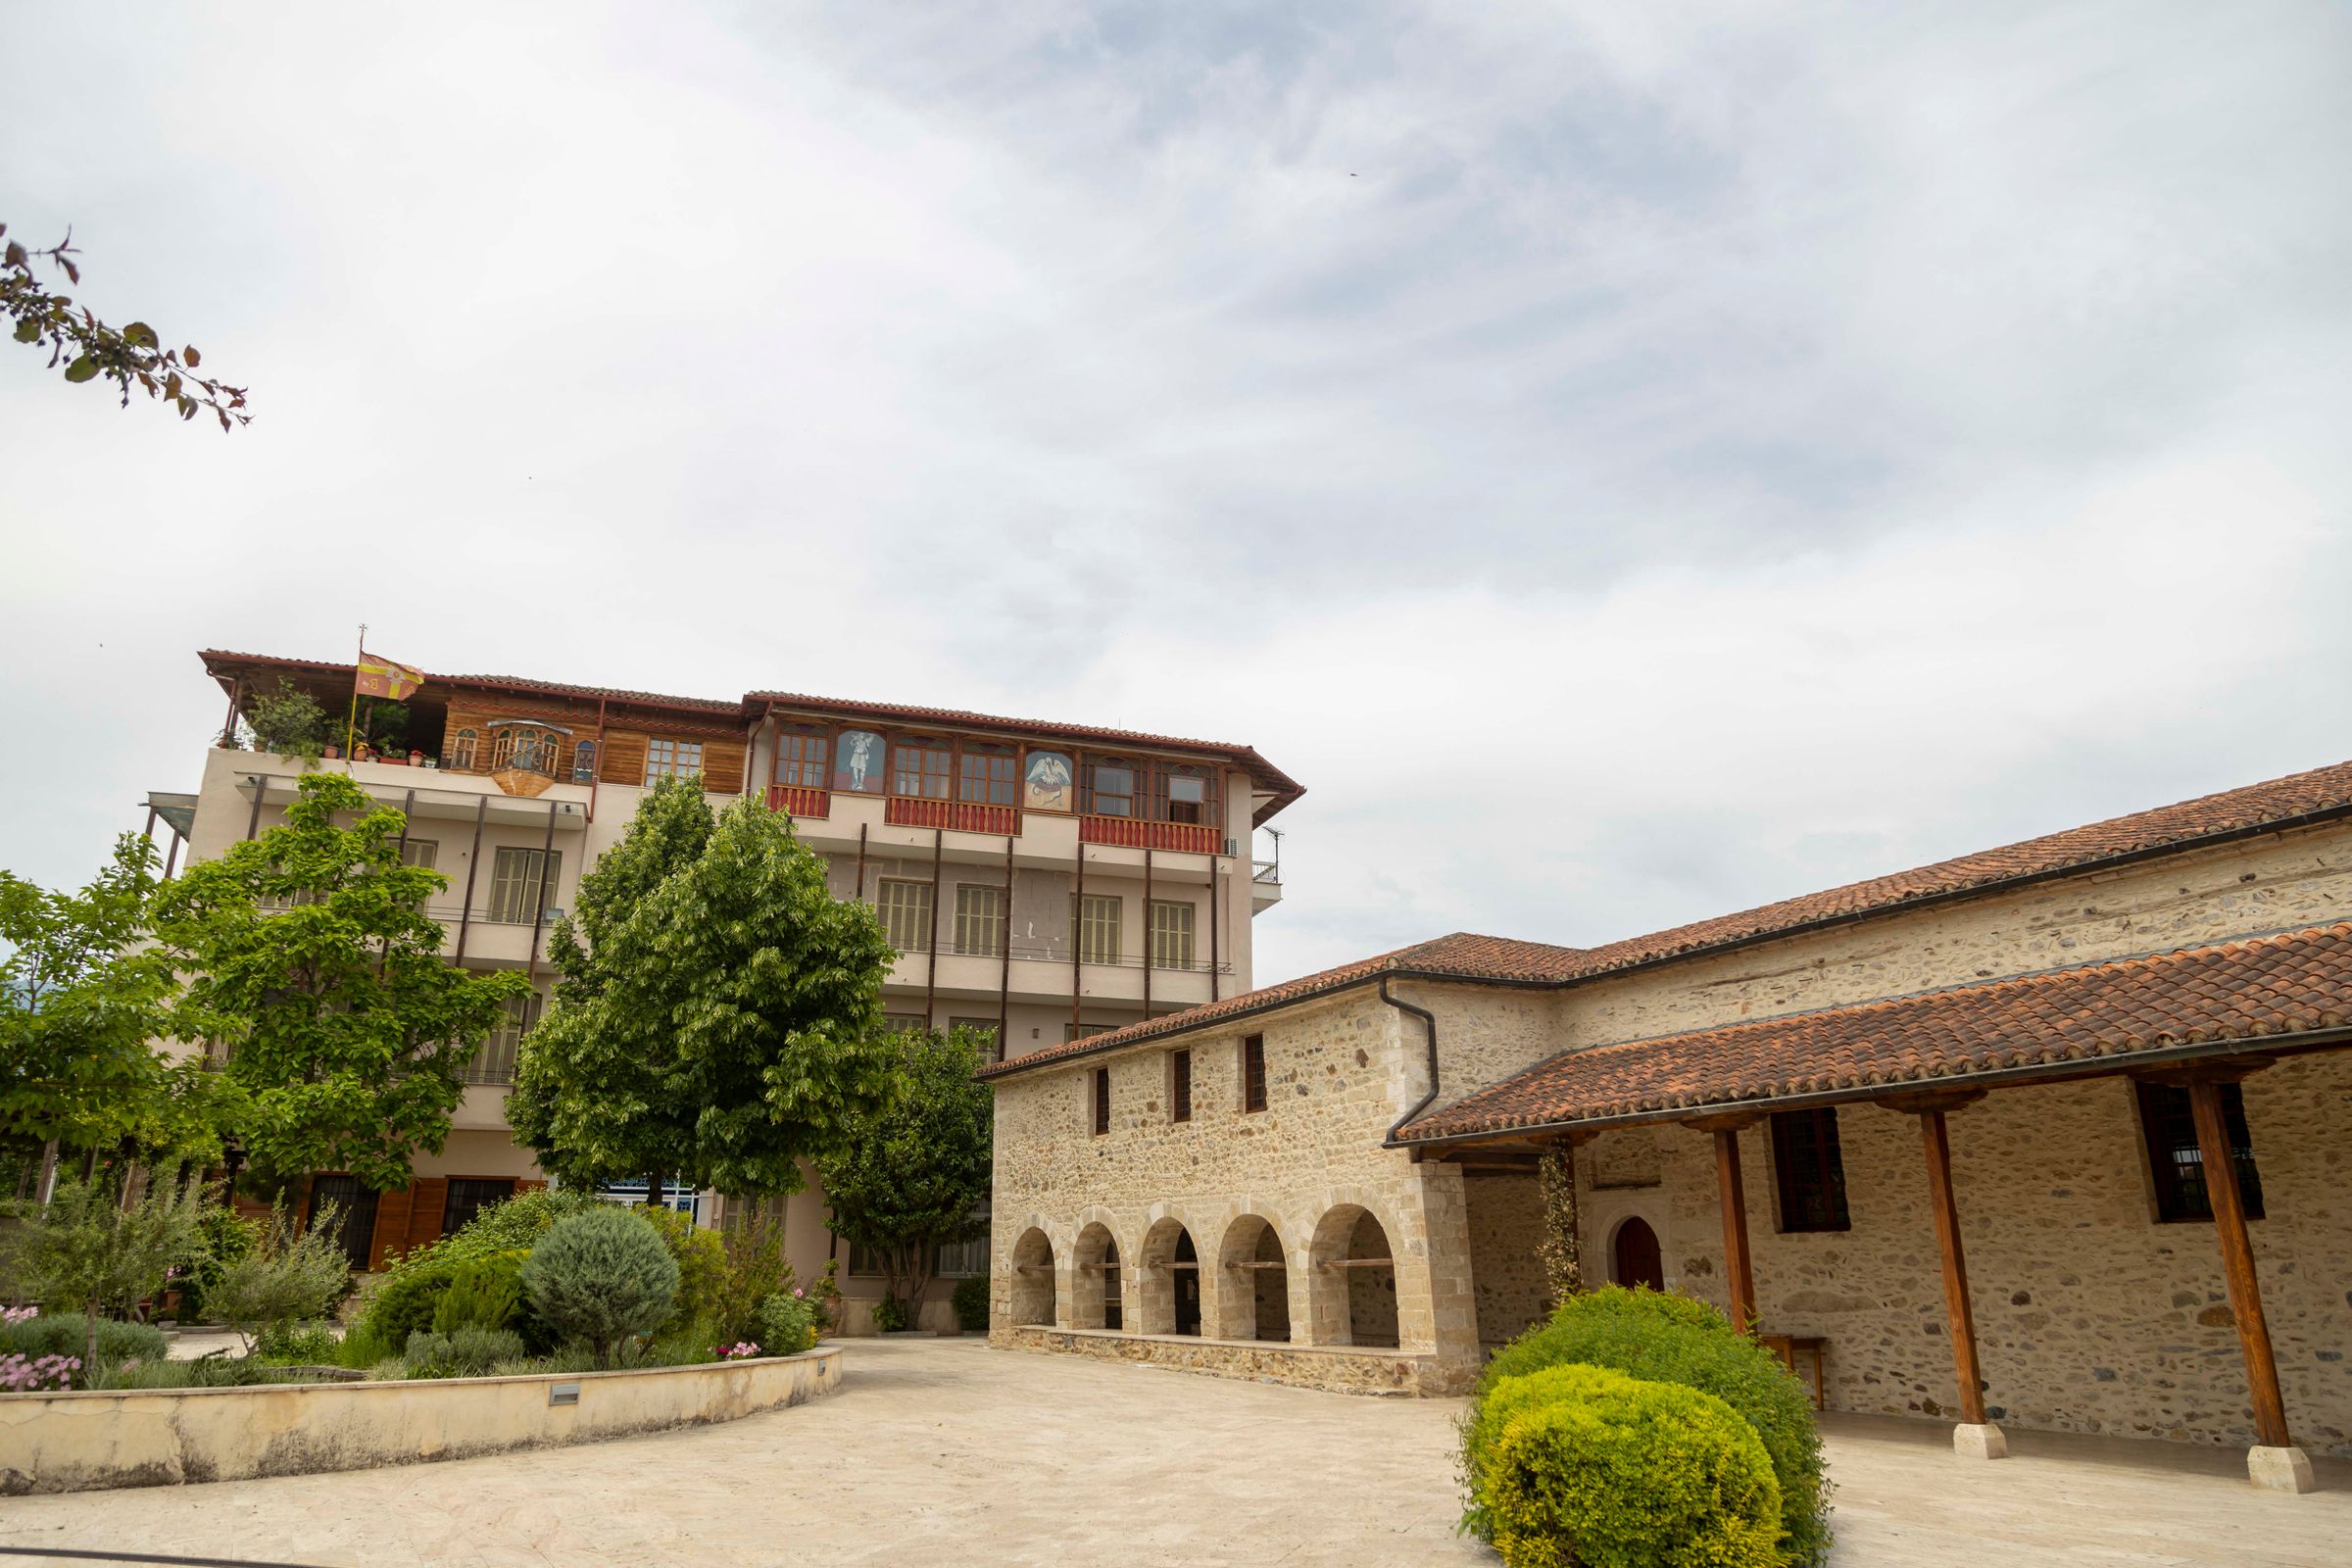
[(1231, 848)]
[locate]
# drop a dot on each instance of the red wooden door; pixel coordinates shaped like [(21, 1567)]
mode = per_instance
[(1637, 1262)]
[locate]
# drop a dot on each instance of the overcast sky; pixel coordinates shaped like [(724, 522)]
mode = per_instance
[(1630, 462)]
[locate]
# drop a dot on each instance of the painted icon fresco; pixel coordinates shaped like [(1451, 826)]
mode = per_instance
[(857, 762), (1050, 783)]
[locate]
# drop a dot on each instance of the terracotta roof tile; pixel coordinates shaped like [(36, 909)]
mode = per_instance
[(1501, 960), (214, 657), (2244, 991)]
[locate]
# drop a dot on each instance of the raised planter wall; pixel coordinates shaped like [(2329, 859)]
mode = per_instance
[(164, 1436), (1340, 1368)]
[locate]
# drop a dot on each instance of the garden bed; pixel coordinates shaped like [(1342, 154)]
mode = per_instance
[(95, 1440)]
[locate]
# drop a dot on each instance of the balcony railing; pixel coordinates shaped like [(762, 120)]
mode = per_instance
[(961, 816), (800, 799), (1134, 833), (1268, 872)]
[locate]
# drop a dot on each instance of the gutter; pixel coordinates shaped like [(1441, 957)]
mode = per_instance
[(2153, 852), (1428, 1021), (2122, 1063)]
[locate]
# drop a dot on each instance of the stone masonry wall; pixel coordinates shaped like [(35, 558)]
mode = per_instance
[(2090, 1315), (1336, 1076), (1506, 1274)]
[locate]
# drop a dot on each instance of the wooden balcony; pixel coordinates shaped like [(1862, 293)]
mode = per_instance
[(960, 816), (799, 799), (1132, 833)]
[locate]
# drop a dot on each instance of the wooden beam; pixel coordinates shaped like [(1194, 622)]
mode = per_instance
[(2237, 1264), (1957, 1315), (1738, 1273), (1919, 1101), (1358, 1263)]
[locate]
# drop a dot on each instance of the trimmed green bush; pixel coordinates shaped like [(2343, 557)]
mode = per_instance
[(1663, 1338), (970, 1301), (484, 1292), (405, 1303), (785, 1324), (602, 1276), (467, 1351), (1580, 1465), (63, 1334)]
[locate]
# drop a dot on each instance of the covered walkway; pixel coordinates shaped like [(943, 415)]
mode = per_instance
[(948, 1450)]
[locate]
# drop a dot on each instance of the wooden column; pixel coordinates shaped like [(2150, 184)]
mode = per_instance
[(2237, 1263), (1739, 1270), (1956, 1310), (253, 821)]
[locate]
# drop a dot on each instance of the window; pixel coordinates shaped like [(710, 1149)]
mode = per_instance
[(671, 759), (986, 1027), (1110, 789), (980, 920), (461, 750), (962, 1260), (518, 894), (1079, 1031), (1102, 1101), (527, 748), (1253, 1072), (987, 778), (801, 760), (419, 853), (1180, 1086), (905, 1023), (1171, 934), (494, 1063), (1098, 916), (469, 1196), (919, 769), (583, 762), (906, 908), (1188, 797), (1809, 1169), (864, 1263), (2177, 1162)]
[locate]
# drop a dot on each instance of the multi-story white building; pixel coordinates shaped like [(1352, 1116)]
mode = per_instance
[(1041, 881)]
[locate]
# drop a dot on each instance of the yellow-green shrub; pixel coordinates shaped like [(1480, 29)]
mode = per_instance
[(1580, 1465)]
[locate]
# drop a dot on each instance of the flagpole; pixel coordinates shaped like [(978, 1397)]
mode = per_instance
[(352, 723)]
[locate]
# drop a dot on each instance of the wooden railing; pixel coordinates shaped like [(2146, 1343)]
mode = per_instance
[(800, 799), (961, 816), (1193, 838)]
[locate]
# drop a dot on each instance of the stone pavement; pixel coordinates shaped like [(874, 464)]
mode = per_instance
[(947, 1451)]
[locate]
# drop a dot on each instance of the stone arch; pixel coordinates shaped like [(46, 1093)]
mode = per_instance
[(1167, 1297), (1353, 1278), (1254, 1289), (1605, 1218), (1096, 1278), (1635, 1254), (1034, 1285)]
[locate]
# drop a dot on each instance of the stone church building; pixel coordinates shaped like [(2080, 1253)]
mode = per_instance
[(2057, 1135)]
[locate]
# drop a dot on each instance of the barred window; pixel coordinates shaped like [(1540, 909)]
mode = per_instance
[(1171, 934), (2177, 1162), (1809, 1169), (980, 921), (1097, 918), (1253, 1072), (906, 908), (519, 894)]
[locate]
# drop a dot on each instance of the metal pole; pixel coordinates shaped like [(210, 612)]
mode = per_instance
[(172, 859), (1150, 958), (148, 832), (474, 864), (859, 895), (939, 839), (547, 856), (1077, 937), (1005, 985), (1216, 897), (253, 824)]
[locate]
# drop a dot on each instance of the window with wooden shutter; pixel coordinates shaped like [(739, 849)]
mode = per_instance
[(1809, 1169), (906, 908), (1171, 934), (1097, 918), (980, 920), (494, 1063), (522, 883)]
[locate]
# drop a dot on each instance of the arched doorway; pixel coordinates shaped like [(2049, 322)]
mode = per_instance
[(1033, 1280), (1634, 1255), (1095, 1292), (1253, 1287), (1354, 1287), (1168, 1284)]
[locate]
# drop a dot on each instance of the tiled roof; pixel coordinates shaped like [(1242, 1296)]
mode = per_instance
[(1262, 772), (214, 657), (2246, 991), (2319, 793)]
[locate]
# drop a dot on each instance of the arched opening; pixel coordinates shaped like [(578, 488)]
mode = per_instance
[(1255, 1286), (1095, 1294), (1033, 1279), (1168, 1281), (1633, 1258), (1354, 1287)]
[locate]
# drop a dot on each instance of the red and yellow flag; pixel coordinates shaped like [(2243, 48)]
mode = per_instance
[(386, 677)]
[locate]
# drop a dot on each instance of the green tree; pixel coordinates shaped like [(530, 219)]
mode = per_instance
[(915, 1170), (719, 1015), (309, 964), (80, 1002), (131, 356), (90, 1250)]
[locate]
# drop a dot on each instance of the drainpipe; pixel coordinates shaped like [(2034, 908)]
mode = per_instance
[(1428, 1021)]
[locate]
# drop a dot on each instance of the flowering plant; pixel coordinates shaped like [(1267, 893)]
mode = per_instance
[(10, 1316), (741, 1349), (20, 1375)]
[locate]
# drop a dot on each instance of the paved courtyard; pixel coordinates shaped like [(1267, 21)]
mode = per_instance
[(937, 1451)]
